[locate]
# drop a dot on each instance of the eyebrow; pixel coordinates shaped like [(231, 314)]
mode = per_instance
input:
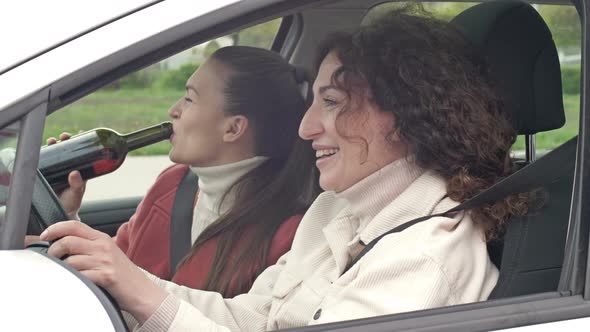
[(190, 87), (324, 88)]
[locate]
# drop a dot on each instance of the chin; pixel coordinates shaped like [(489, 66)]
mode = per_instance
[(174, 158), (327, 184), (335, 184)]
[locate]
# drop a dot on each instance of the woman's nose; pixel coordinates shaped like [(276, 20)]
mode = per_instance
[(311, 125), (174, 111)]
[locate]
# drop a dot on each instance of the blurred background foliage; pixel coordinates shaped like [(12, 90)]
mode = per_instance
[(143, 97)]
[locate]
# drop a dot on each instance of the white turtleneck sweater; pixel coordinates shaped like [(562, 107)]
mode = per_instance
[(438, 262), (214, 181)]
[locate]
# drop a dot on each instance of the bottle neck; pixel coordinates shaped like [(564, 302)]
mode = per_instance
[(147, 136)]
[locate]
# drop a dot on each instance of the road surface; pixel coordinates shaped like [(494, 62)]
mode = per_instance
[(133, 178)]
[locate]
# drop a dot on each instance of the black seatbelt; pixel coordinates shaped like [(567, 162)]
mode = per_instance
[(547, 169), (181, 219)]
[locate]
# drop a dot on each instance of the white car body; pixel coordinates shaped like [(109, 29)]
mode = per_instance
[(38, 294), (55, 299), (92, 46)]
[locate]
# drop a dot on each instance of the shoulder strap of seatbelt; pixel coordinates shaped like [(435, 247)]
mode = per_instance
[(548, 169), (181, 219)]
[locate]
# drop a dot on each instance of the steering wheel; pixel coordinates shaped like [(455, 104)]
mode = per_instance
[(46, 209)]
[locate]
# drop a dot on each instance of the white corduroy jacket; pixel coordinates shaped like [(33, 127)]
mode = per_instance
[(439, 262)]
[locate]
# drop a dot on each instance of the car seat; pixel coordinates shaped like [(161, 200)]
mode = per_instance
[(523, 61)]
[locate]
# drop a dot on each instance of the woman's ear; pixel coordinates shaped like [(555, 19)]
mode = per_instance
[(235, 127)]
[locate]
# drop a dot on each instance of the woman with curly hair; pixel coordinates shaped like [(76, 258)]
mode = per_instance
[(405, 124)]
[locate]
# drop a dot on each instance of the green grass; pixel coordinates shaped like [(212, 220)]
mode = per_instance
[(122, 110), (128, 110)]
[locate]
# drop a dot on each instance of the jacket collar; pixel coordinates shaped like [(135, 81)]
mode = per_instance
[(371, 195), (418, 200), (346, 234)]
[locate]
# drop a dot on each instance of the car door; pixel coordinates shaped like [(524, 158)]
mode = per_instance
[(314, 20)]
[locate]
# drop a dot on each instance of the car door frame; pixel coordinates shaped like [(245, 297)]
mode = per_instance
[(31, 112), (570, 302)]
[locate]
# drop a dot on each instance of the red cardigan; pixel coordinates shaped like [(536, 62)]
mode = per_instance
[(145, 238)]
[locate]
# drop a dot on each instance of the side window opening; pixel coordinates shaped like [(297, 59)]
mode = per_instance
[(564, 23), (141, 99)]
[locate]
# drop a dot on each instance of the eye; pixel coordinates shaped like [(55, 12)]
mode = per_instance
[(188, 100), (328, 102)]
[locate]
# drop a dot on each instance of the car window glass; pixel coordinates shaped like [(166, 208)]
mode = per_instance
[(564, 23), (8, 143), (141, 99)]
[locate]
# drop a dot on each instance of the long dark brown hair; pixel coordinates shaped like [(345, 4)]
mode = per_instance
[(446, 109), (263, 87)]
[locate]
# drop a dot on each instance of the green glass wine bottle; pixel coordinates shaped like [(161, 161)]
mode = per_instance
[(94, 153)]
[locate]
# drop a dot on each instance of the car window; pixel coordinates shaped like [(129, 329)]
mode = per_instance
[(142, 99), (8, 143), (564, 23)]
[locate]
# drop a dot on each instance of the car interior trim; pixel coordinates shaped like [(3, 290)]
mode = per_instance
[(279, 39), (20, 193), (292, 37)]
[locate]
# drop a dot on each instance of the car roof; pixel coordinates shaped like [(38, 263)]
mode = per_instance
[(52, 23), (34, 68)]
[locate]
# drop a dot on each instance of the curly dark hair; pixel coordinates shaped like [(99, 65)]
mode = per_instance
[(437, 86)]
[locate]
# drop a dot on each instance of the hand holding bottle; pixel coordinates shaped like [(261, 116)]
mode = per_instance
[(88, 155), (71, 197), (94, 153)]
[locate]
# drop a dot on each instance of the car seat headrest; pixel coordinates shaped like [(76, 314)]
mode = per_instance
[(523, 61)]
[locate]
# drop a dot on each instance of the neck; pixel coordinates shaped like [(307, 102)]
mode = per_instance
[(214, 182), (229, 158), (369, 196)]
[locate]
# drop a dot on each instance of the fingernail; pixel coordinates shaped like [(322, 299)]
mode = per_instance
[(43, 235)]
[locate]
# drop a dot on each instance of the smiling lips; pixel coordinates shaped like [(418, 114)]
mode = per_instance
[(324, 156), (325, 152)]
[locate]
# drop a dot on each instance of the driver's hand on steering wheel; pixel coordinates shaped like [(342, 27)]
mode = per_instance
[(71, 197), (97, 256), (30, 239)]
